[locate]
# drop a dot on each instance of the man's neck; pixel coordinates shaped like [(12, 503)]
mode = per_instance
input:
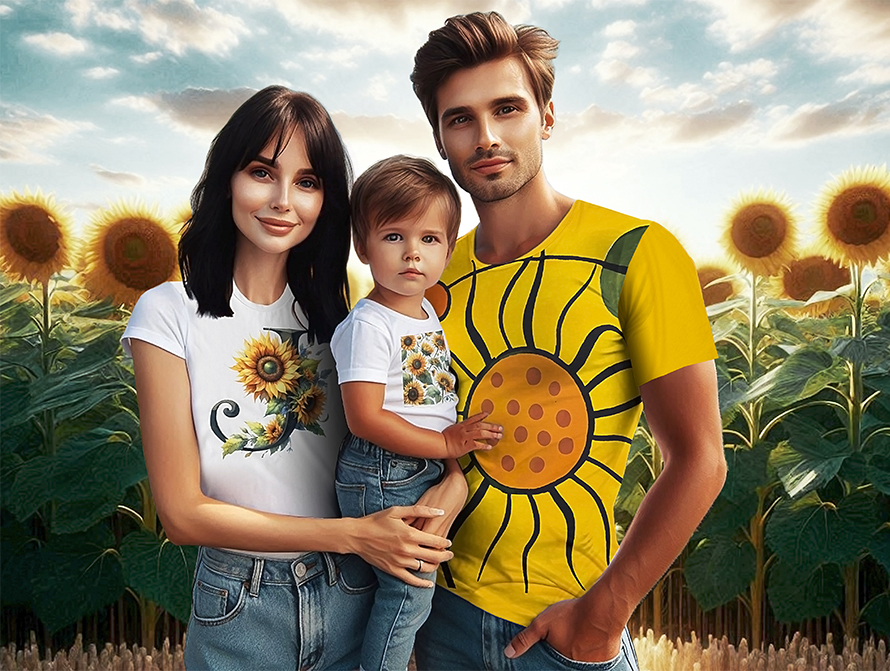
[(511, 227)]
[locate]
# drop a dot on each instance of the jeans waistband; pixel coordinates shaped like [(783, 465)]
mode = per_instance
[(258, 570)]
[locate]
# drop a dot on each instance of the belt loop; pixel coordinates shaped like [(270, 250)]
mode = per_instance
[(331, 568), (256, 578)]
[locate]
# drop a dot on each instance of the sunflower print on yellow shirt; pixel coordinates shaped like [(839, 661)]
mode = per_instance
[(538, 344)]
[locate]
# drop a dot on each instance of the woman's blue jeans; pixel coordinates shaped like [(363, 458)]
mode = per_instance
[(255, 613)]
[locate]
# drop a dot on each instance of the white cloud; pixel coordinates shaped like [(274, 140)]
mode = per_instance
[(620, 28), (181, 25), (871, 74), (620, 50), (5, 10), (101, 73), (344, 57), (26, 134), (391, 26), (615, 71), (851, 116), (149, 57), (136, 103), (599, 4), (686, 96), (854, 29), (729, 77), (120, 178), (62, 44), (380, 86), (97, 12)]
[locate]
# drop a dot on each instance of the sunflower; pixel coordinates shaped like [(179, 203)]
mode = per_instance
[(805, 276), (274, 429), (408, 342), (427, 349), (310, 405), (415, 364), (439, 341), (760, 232), (854, 215), (130, 249), (445, 381), (180, 216), (413, 393), (35, 235), (267, 369), (717, 292)]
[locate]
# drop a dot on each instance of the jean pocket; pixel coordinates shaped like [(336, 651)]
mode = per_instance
[(401, 470), (217, 598), (568, 663), (351, 499), (355, 576)]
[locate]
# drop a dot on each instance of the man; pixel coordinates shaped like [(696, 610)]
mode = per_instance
[(563, 318)]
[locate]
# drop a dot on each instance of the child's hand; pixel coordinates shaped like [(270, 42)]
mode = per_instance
[(469, 435)]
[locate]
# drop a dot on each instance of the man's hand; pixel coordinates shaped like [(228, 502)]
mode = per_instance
[(470, 435), (584, 629)]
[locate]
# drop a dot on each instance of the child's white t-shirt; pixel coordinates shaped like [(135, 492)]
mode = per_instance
[(409, 356), (265, 402)]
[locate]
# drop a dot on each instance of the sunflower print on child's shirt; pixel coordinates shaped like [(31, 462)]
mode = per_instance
[(279, 371), (426, 379)]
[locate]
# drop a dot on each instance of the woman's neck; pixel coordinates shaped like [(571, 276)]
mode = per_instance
[(260, 280)]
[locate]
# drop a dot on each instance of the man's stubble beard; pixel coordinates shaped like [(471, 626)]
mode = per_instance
[(496, 187)]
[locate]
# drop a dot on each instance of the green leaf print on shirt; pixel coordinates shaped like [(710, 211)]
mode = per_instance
[(616, 262)]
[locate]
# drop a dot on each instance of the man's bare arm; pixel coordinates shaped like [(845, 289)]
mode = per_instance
[(683, 415)]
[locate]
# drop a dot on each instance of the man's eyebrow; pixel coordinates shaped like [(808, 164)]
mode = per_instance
[(454, 111)]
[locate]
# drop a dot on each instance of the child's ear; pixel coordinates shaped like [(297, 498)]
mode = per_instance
[(359, 250)]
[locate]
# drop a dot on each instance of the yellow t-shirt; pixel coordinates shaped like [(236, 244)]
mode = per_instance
[(554, 345)]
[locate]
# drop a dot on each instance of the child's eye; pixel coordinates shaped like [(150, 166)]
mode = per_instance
[(429, 239), (392, 237)]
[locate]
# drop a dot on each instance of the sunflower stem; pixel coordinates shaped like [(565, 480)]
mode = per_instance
[(856, 391)]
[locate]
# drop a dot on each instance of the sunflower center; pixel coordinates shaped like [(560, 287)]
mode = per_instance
[(139, 253), (859, 215), (814, 273), (270, 368), (33, 233), (413, 394), (545, 421), (759, 230)]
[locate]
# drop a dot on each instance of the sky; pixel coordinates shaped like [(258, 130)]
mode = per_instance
[(668, 110)]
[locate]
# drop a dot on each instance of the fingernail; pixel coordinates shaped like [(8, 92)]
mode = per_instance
[(438, 511), (509, 651)]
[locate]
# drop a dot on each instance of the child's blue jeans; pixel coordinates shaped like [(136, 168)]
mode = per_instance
[(370, 479)]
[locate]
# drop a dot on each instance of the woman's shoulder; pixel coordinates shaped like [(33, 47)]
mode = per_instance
[(168, 295)]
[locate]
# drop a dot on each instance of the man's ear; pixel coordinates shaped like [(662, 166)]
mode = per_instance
[(549, 121)]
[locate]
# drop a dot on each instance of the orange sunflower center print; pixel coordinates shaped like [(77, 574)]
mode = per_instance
[(276, 369)]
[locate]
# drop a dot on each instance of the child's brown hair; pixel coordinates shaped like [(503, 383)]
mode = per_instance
[(396, 188)]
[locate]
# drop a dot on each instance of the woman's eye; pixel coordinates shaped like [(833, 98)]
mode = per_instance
[(308, 184), (260, 173)]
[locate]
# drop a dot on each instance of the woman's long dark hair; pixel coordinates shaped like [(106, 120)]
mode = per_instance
[(316, 268)]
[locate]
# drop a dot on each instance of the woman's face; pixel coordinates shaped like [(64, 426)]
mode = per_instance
[(275, 203)]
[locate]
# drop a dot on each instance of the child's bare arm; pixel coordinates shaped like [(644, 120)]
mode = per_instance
[(363, 403)]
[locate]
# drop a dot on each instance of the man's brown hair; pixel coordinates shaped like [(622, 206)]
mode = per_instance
[(468, 40), (396, 188)]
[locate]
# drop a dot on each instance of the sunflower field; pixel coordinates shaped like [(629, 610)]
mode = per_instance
[(798, 540)]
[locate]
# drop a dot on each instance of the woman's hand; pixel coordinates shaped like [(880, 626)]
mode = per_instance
[(386, 540)]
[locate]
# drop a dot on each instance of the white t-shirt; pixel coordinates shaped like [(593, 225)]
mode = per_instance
[(409, 356), (279, 391)]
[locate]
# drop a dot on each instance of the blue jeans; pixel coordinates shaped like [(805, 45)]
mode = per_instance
[(460, 636), (369, 479), (255, 613)]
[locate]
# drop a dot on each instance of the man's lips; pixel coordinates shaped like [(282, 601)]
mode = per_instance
[(489, 166)]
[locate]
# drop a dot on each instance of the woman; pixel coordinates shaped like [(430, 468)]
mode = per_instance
[(240, 410)]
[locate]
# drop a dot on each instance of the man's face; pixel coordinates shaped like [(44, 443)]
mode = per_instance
[(491, 129)]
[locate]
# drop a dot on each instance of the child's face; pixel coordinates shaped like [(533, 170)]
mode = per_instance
[(408, 256)]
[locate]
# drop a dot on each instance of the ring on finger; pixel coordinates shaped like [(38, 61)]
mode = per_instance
[(420, 564)]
